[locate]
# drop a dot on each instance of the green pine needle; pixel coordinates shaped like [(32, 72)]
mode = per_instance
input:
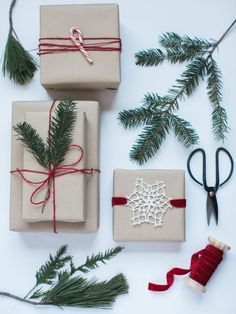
[(48, 272), (93, 261), (32, 141), (18, 63), (61, 131)]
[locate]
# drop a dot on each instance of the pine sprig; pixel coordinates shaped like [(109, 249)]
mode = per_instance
[(48, 272), (93, 261), (18, 63), (63, 288), (157, 116), (52, 153), (60, 136), (32, 141)]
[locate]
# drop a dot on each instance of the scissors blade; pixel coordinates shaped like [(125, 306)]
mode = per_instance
[(210, 208), (215, 208)]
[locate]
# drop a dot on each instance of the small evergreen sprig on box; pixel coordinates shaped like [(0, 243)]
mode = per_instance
[(58, 284), (157, 115), (18, 63)]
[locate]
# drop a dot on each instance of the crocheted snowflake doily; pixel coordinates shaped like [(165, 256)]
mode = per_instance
[(148, 202)]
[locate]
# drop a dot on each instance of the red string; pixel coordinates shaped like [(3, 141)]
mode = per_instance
[(47, 45), (203, 265), (54, 172)]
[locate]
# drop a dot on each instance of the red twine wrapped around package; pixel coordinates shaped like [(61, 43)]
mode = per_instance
[(50, 176), (203, 265), (48, 45)]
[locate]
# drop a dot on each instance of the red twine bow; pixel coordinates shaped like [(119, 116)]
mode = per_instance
[(203, 265), (58, 171)]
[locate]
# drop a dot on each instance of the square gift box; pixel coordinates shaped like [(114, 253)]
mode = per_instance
[(149, 205), (65, 62), (83, 217)]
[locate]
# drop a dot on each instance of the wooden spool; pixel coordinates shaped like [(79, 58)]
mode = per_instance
[(219, 245)]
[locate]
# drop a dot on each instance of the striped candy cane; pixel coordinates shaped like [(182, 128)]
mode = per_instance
[(79, 42)]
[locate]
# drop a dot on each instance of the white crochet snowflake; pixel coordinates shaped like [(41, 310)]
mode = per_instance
[(148, 202)]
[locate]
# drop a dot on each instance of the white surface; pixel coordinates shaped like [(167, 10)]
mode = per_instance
[(141, 23)]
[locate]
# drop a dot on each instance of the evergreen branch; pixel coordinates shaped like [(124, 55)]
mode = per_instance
[(92, 261), (48, 272), (151, 138), (135, 117), (80, 292), (32, 141), (189, 81), (214, 86), (184, 131), (60, 136), (150, 57), (171, 40)]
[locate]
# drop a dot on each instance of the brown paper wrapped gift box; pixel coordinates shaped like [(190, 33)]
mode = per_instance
[(173, 226), (17, 223), (70, 70)]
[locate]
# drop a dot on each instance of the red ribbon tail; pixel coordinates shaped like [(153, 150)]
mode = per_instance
[(179, 203), (116, 200)]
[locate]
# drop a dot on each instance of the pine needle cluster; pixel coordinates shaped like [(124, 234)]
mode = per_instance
[(51, 153), (157, 115), (58, 284), (18, 63)]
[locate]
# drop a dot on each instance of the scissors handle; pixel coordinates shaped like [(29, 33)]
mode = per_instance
[(217, 167), (204, 183), (204, 180)]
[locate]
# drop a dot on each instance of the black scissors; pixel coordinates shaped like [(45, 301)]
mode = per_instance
[(211, 205)]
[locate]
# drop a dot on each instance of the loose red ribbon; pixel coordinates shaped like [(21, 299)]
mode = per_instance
[(48, 45), (52, 173), (203, 265)]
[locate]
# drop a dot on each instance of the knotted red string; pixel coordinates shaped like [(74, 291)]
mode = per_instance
[(54, 172), (48, 45), (203, 265)]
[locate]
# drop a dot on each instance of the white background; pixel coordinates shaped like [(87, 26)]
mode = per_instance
[(141, 23)]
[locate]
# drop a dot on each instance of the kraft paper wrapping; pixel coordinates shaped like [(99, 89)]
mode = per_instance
[(173, 228), (17, 223), (70, 70), (70, 189)]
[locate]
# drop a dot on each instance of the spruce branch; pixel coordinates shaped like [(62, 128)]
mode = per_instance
[(157, 115), (32, 141), (61, 128), (66, 289)]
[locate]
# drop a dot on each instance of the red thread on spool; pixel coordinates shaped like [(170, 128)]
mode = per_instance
[(203, 265)]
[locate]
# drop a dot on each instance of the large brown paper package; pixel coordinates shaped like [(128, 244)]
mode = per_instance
[(141, 188), (17, 223), (70, 189), (70, 70)]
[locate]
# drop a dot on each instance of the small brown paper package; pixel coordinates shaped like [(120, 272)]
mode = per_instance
[(149, 205), (99, 24), (70, 189), (29, 111)]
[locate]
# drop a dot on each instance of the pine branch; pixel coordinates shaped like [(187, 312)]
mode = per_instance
[(214, 86), (135, 117), (189, 80), (61, 129), (92, 261), (171, 40), (151, 139), (80, 292), (150, 57), (184, 131), (32, 141), (48, 272)]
